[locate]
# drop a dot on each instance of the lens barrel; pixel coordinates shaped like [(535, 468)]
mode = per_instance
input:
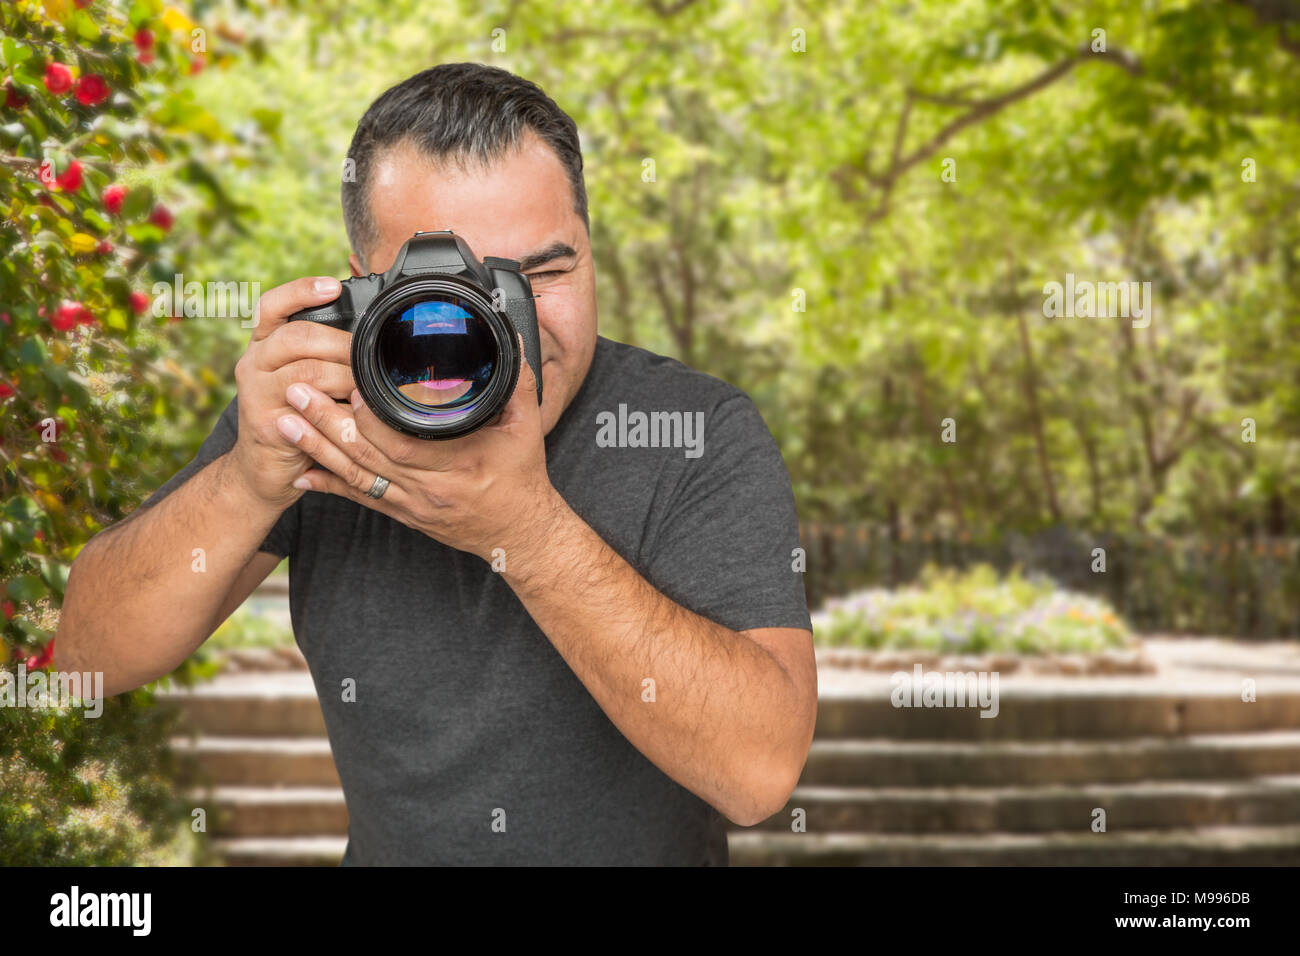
[(433, 358)]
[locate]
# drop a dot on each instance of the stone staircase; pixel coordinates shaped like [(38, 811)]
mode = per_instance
[(1187, 773)]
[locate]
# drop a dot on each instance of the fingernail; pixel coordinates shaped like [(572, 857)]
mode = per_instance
[(355, 398), (303, 483), (298, 397), (325, 285), (289, 427)]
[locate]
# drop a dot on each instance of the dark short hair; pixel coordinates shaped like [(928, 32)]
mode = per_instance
[(458, 112)]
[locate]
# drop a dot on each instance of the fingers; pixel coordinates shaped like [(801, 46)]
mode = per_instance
[(403, 450), (275, 306), (329, 377), (323, 481), (304, 340), (523, 404), (329, 434)]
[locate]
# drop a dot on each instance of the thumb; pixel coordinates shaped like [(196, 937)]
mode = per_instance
[(523, 403)]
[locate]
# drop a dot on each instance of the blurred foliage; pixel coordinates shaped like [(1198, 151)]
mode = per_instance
[(799, 153), (90, 791), (98, 126), (778, 171), (244, 629), (975, 612)]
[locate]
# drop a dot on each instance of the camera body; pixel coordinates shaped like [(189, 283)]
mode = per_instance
[(434, 347)]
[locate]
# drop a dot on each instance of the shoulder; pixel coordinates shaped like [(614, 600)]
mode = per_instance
[(658, 381), (635, 388)]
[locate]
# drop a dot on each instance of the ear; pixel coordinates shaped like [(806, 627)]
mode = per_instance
[(355, 263)]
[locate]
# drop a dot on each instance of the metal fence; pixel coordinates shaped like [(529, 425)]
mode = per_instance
[(1247, 588)]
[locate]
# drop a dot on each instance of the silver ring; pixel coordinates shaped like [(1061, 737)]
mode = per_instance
[(378, 488)]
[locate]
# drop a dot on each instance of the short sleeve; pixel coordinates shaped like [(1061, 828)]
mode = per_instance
[(724, 545), (283, 536)]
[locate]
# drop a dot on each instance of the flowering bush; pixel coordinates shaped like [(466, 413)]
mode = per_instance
[(95, 123), (974, 612)]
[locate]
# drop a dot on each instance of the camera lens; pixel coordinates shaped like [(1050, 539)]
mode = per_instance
[(433, 358), (438, 354)]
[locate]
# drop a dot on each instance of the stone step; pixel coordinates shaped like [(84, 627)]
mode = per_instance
[(286, 705), (909, 763), (252, 705), (250, 811), (1211, 846), (258, 761), (1110, 708), (280, 851), (306, 761), (1147, 805), (274, 811), (1197, 846)]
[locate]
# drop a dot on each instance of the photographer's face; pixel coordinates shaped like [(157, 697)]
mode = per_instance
[(520, 207)]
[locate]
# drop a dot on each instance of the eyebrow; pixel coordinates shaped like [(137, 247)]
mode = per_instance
[(556, 250)]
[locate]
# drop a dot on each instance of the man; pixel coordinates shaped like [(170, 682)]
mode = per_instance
[(532, 648)]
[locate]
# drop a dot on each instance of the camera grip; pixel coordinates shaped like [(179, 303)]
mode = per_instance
[(343, 312), (524, 320)]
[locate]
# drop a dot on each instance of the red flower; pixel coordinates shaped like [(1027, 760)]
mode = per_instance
[(43, 659), (114, 196), (70, 179), (197, 64), (8, 608), (143, 39), (13, 99), (139, 302), (92, 90), (85, 317), (162, 217), (145, 58), (59, 429), (58, 78), (104, 247), (66, 317), (6, 389), (4, 317)]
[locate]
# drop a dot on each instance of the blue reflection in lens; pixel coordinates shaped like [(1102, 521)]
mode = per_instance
[(437, 354)]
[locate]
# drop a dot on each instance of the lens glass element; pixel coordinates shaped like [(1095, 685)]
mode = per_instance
[(437, 353)]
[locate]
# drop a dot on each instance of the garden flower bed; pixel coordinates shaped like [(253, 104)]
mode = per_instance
[(974, 619)]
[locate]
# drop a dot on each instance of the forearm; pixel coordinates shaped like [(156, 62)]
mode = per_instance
[(140, 598), (726, 720)]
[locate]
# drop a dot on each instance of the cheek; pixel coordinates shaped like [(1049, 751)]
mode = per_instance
[(564, 315)]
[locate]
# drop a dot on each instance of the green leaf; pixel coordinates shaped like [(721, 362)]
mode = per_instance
[(27, 587), (138, 202), (55, 574), (14, 52), (33, 353)]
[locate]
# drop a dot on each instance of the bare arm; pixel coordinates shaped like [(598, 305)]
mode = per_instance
[(140, 599), (144, 594), (733, 711)]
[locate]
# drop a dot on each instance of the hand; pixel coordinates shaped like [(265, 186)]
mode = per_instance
[(280, 353), (486, 490)]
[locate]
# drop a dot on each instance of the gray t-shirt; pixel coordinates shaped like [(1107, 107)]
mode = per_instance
[(465, 714)]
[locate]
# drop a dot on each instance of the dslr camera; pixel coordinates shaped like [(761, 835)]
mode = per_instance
[(434, 349)]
